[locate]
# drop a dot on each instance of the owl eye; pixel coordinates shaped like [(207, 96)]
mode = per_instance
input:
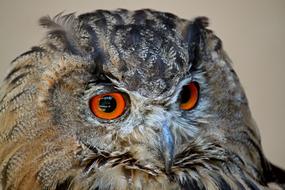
[(108, 106), (189, 96)]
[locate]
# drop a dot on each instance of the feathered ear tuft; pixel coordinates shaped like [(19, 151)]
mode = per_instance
[(61, 35), (193, 36), (47, 22), (60, 21), (202, 21)]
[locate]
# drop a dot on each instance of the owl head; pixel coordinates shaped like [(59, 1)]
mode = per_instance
[(127, 100)]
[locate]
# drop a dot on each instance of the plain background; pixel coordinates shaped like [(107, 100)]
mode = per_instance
[(252, 32)]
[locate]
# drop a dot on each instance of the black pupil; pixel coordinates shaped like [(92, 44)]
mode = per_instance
[(108, 104), (185, 94)]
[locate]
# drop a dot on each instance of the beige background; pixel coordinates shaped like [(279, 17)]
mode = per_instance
[(252, 31)]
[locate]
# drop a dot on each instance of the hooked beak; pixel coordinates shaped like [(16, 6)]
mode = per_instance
[(167, 143)]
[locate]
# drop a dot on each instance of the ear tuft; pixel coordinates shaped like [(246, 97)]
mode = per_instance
[(60, 21), (202, 22), (61, 35)]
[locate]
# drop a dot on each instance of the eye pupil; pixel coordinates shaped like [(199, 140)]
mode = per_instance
[(107, 104), (185, 94)]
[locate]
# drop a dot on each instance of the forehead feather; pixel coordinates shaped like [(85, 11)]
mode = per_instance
[(145, 58)]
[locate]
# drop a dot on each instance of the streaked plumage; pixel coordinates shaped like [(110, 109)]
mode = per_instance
[(49, 138)]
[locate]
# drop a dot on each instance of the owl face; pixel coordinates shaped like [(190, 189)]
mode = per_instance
[(133, 100)]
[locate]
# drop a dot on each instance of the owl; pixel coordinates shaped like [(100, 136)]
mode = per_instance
[(117, 100)]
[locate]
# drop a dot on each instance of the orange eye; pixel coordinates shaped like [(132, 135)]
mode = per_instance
[(189, 96), (108, 106)]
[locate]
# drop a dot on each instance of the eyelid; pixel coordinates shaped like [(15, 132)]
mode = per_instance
[(100, 88)]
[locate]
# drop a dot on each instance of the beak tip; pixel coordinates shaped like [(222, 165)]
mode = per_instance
[(168, 165)]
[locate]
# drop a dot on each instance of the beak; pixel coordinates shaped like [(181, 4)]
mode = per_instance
[(167, 144)]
